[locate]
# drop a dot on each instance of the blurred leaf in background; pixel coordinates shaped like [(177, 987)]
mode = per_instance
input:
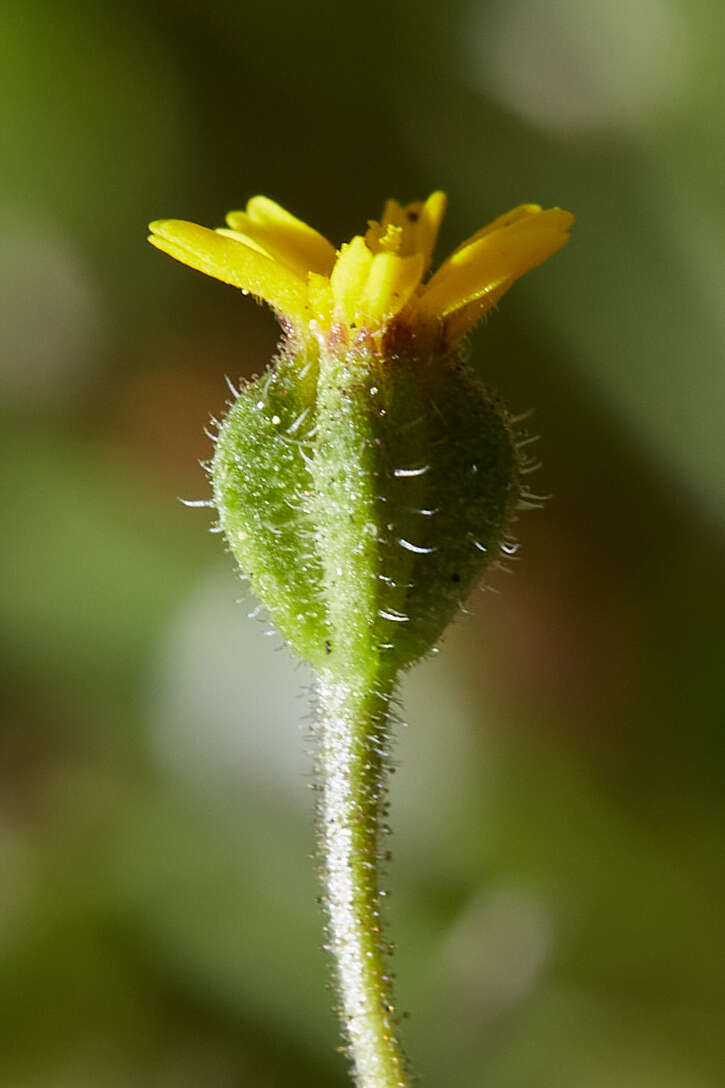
[(558, 879)]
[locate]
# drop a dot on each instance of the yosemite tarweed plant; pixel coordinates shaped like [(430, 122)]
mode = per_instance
[(363, 483)]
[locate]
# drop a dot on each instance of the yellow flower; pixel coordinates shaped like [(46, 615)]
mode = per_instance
[(377, 279)]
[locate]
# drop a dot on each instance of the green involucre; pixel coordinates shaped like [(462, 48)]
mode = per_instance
[(363, 497)]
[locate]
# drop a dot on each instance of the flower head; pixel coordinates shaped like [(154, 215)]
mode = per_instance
[(364, 500), (376, 280)]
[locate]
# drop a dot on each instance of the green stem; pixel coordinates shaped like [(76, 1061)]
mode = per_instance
[(353, 744)]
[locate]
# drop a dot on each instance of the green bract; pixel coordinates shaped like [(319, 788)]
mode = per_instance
[(363, 497)]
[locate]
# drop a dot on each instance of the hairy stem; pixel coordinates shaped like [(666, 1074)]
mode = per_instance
[(353, 745)]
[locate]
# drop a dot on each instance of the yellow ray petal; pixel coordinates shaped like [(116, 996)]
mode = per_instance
[(390, 284), (508, 219), (284, 237), (232, 262), (463, 320), (429, 221), (349, 277), (494, 261)]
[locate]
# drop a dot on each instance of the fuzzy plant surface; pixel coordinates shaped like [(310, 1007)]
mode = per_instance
[(363, 484)]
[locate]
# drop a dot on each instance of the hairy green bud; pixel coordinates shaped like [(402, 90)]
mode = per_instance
[(364, 496)]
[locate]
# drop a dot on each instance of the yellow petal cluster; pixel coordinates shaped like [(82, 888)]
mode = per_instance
[(376, 277)]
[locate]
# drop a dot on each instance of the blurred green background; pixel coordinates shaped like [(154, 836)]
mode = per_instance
[(558, 880)]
